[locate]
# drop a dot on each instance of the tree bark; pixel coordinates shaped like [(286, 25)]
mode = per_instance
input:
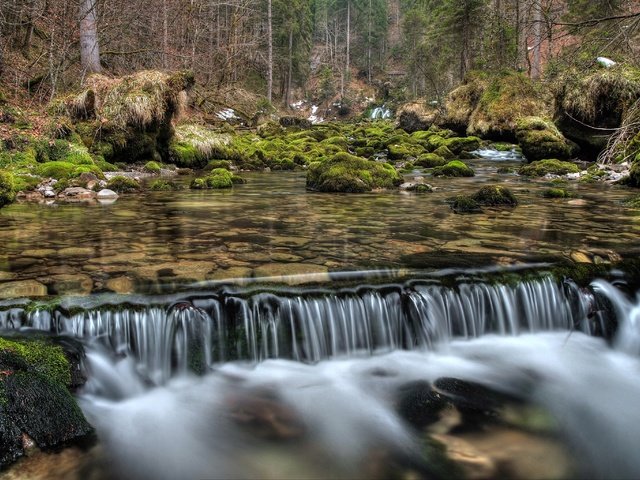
[(89, 47), (287, 96), (348, 59), (536, 48)]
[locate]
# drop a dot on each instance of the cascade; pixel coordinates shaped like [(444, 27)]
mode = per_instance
[(202, 329)]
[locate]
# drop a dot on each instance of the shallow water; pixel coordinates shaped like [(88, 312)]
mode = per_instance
[(273, 227)]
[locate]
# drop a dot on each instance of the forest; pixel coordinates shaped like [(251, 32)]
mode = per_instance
[(317, 48)]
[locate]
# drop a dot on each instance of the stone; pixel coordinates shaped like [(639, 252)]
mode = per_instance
[(106, 194), (22, 289), (76, 284), (473, 462), (76, 252), (234, 274), (419, 404), (293, 273), (78, 193), (121, 285)]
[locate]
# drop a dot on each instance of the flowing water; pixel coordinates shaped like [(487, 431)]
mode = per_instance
[(267, 332)]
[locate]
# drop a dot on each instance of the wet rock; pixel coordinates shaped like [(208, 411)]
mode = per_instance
[(77, 284), (473, 462), (265, 416), (22, 289), (417, 187), (477, 403), (580, 257), (419, 404), (106, 194), (36, 373), (237, 274), (76, 252), (293, 273), (122, 285), (78, 193)]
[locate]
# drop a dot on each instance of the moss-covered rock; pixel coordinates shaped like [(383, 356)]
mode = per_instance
[(7, 188), (556, 193), (462, 101), (219, 178), (507, 97), (455, 168), (194, 145), (402, 151), (417, 116), (132, 115), (541, 168), (36, 374), (152, 167), (539, 138), (465, 204), (123, 184), (162, 185), (430, 160), (348, 173), (457, 145), (589, 100), (494, 196)]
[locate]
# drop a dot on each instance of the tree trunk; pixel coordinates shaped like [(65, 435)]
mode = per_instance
[(270, 52), (369, 35), (89, 48), (165, 35), (347, 63), (536, 48), (287, 96)]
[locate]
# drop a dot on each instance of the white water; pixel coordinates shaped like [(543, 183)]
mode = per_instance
[(190, 428)]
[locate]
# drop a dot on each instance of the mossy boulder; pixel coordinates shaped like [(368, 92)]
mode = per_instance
[(348, 173), (457, 145), (416, 116), (402, 151), (494, 196), (463, 100), (194, 145), (219, 178), (488, 196), (465, 204), (554, 166), (162, 185), (152, 167), (430, 160), (444, 152), (507, 97), (132, 114), (539, 138), (455, 168), (589, 100), (37, 373), (7, 188), (122, 184)]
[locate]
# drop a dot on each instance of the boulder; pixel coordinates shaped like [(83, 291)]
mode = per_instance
[(106, 194), (417, 116)]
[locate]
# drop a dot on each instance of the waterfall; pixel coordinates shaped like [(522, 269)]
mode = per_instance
[(380, 113), (202, 330)]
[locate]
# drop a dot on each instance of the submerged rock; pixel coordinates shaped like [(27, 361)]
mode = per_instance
[(419, 404)]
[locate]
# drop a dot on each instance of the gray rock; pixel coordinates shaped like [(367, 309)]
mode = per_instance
[(78, 192), (107, 194)]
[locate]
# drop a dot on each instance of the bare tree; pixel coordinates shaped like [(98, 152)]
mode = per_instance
[(89, 47)]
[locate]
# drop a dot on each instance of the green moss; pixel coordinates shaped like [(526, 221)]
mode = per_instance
[(495, 196), (162, 185), (465, 204), (122, 184), (503, 147), (80, 169), (444, 152), (41, 356), (58, 170), (457, 145), (213, 164), (152, 167), (184, 155), (541, 168), (220, 178), (7, 188), (402, 151), (348, 173), (105, 166), (455, 168), (633, 180), (556, 193), (633, 202), (430, 160), (539, 138)]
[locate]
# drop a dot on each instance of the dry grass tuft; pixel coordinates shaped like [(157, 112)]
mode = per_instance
[(202, 139)]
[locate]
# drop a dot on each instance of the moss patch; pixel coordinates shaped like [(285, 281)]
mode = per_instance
[(122, 184), (539, 138), (455, 168), (7, 188), (348, 173), (541, 168)]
